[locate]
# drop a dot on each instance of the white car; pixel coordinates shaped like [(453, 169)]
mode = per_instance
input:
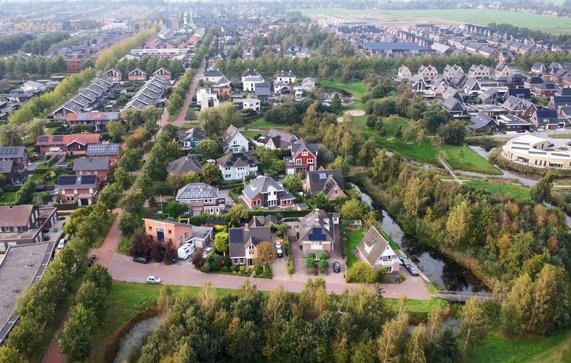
[(279, 249), (153, 280), (61, 244)]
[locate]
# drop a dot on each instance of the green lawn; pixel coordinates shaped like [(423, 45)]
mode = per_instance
[(125, 245), (423, 152), (517, 192), (420, 306), (353, 240), (7, 198), (555, 25), (356, 88), (50, 130), (464, 158), (560, 136), (536, 349), (263, 124)]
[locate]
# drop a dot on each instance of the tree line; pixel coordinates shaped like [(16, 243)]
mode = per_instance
[(12, 43), (42, 44), (38, 106), (108, 58), (313, 326), (39, 66), (38, 304), (177, 97), (346, 68)]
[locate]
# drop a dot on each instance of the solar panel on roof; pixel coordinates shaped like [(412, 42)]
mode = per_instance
[(43, 138), (66, 180), (88, 179), (57, 138), (316, 235)]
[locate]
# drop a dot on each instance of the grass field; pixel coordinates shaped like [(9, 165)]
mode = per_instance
[(517, 192), (353, 240), (555, 25), (464, 158), (7, 198), (356, 87), (102, 233), (560, 136), (263, 124), (537, 349)]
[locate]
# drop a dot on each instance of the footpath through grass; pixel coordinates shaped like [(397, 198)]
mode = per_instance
[(498, 349), (517, 192)]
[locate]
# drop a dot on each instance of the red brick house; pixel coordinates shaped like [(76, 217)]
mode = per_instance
[(92, 166), (93, 119), (82, 189), (74, 144), (303, 158), (110, 151), (264, 192), (73, 65), (137, 74), (163, 73)]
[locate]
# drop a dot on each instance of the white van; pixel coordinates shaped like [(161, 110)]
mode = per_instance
[(186, 250)]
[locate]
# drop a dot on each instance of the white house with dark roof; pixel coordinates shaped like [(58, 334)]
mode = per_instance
[(375, 251), (427, 72), (404, 74), (249, 83), (212, 76), (201, 198), (479, 71), (451, 70), (234, 141), (287, 77), (191, 138), (264, 192), (276, 139), (237, 166)]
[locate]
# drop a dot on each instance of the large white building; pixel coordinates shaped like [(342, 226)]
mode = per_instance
[(533, 151)]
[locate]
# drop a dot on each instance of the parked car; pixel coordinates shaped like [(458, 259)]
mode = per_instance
[(140, 260), (413, 271), (91, 260), (153, 280), (279, 249), (45, 230), (61, 244), (336, 267), (401, 260)]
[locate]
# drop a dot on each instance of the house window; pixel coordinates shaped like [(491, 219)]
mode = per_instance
[(304, 153), (316, 243), (241, 261), (297, 161), (150, 228), (170, 232), (310, 161)]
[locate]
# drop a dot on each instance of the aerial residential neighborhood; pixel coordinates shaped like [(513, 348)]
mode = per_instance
[(285, 181)]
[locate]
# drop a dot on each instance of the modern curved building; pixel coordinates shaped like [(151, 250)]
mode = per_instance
[(532, 151)]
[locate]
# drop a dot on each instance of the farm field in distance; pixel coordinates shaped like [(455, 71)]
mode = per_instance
[(551, 24)]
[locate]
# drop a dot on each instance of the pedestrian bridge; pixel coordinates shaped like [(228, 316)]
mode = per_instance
[(463, 296)]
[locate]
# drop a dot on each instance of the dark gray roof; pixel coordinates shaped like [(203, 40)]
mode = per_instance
[(263, 221), (260, 185), (91, 164), (480, 121), (520, 92), (323, 180), (213, 73), (184, 165), (453, 105), (239, 238), (237, 159), (197, 191), (262, 89), (281, 139), (250, 73), (316, 226), (372, 245), (299, 145), (229, 134), (6, 166), (12, 152)]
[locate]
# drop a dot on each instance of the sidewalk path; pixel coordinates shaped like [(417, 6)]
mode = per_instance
[(191, 91)]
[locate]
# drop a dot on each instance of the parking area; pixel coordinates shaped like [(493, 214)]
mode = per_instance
[(57, 229)]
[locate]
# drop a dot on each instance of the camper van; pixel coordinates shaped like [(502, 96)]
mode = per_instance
[(185, 251)]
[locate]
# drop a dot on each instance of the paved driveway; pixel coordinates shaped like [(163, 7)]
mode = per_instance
[(279, 269)]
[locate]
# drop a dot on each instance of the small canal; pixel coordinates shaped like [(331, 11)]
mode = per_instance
[(442, 271)]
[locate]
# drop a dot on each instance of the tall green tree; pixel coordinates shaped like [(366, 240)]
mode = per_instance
[(474, 323), (75, 340)]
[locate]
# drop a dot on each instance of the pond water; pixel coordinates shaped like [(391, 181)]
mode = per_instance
[(133, 340), (442, 271)]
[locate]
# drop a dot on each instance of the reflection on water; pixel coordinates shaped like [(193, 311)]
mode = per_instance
[(442, 271), (133, 340)]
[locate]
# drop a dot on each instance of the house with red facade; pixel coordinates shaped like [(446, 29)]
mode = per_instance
[(163, 73), (82, 189), (303, 158), (92, 166), (95, 120), (113, 75), (73, 144), (137, 74), (265, 192)]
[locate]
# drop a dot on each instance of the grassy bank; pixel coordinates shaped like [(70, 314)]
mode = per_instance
[(517, 192), (464, 158), (534, 349)]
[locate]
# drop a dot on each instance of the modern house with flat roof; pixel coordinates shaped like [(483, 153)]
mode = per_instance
[(532, 151), (22, 224)]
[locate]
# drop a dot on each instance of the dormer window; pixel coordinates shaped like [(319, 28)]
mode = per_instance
[(304, 153)]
